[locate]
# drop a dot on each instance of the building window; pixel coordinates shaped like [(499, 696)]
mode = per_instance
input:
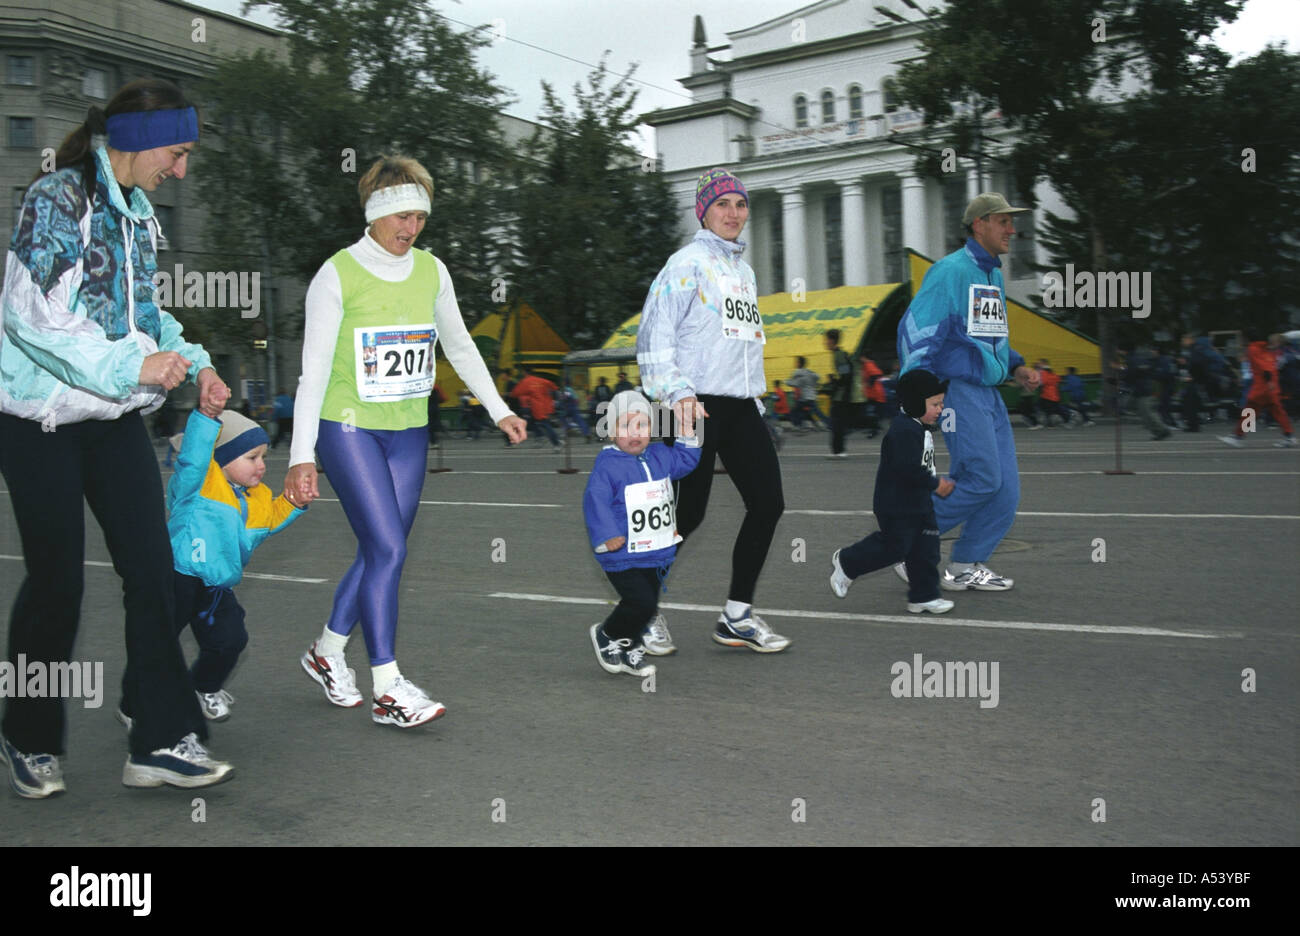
[(1022, 245), (776, 251), (94, 84), (889, 92), (954, 206), (828, 107), (22, 133), (20, 69), (833, 210), (800, 111), (855, 102)]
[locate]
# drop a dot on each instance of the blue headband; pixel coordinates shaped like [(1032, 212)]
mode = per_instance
[(137, 131), (246, 441)]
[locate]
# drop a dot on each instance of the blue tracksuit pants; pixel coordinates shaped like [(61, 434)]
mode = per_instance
[(982, 453)]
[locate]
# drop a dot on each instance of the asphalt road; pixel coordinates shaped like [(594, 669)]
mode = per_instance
[(1118, 681)]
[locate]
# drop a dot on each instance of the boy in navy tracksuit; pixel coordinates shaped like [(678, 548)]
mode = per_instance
[(632, 526), (902, 504)]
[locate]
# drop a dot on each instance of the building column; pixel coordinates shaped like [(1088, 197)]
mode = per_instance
[(875, 236), (796, 238), (973, 184), (853, 216), (914, 226)]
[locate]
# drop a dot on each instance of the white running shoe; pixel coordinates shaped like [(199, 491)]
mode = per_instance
[(978, 578), (839, 581), (215, 705), (1285, 442), (334, 676), (750, 631), (900, 568), (656, 639), (937, 606), (187, 765), (1232, 440), (405, 705)]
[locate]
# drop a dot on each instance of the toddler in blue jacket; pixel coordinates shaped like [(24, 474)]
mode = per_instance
[(220, 511), (632, 526), (902, 502)]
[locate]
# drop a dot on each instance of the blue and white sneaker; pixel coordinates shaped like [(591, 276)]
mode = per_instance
[(978, 578), (32, 776), (750, 631), (621, 655), (187, 765)]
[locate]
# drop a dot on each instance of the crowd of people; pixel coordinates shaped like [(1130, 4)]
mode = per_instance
[(86, 352)]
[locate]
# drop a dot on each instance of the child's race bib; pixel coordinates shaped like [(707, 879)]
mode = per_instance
[(740, 318), (986, 316), (394, 362), (651, 523)]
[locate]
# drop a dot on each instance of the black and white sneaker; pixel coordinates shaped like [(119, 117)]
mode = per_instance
[(620, 656), (978, 577), (750, 631), (32, 776), (405, 705), (188, 765)]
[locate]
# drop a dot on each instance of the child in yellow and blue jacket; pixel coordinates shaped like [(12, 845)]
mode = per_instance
[(219, 513)]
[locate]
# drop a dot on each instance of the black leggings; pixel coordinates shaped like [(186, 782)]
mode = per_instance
[(638, 592), (735, 433), (112, 465)]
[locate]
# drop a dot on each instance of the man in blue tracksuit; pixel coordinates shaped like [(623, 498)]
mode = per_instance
[(956, 328)]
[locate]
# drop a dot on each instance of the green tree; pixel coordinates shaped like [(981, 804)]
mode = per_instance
[(1131, 113), (361, 78), (595, 220)]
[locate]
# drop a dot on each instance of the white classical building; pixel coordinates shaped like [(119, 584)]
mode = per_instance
[(802, 110)]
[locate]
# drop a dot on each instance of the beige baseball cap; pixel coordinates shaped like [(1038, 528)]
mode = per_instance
[(987, 203)]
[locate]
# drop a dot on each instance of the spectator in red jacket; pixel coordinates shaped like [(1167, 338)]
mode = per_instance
[(873, 388), (1264, 393), (537, 395), (1049, 397)]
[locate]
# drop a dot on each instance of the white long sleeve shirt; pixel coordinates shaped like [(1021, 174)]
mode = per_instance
[(324, 318)]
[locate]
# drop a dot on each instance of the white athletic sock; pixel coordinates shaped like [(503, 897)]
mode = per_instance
[(330, 643), (384, 676), (957, 568), (737, 609)]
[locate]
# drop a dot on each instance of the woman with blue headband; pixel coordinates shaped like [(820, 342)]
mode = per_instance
[(85, 351)]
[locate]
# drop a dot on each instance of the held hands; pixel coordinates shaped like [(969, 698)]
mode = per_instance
[(1027, 377), (615, 544), (166, 369), (213, 393), (685, 412), (945, 487), (300, 485), (516, 429)]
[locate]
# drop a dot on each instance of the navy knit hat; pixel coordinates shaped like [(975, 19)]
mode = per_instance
[(917, 386), (239, 434)]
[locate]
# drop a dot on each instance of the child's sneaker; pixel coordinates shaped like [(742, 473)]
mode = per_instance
[(334, 676), (186, 765), (656, 639), (839, 581), (937, 606), (978, 577), (32, 776), (215, 705), (621, 655), (405, 705), (750, 631)]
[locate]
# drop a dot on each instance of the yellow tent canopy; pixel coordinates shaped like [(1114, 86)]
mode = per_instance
[(512, 338), (1033, 334)]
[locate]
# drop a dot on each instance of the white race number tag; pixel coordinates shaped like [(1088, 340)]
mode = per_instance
[(651, 523), (740, 318), (394, 362), (986, 316)]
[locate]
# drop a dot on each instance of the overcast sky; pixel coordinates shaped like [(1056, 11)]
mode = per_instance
[(543, 38)]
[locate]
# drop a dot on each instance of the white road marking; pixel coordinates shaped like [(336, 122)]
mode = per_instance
[(1047, 513), (257, 575), (335, 500), (896, 618)]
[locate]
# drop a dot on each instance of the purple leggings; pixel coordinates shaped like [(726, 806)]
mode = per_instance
[(378, 475)]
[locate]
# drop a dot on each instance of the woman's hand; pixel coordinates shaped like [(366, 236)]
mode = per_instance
[(166, 369), (516, 429), (300, 485)]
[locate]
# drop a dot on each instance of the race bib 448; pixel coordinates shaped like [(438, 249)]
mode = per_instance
[(986, 315)]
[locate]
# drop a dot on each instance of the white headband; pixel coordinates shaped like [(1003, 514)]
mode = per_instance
[(395, 198)]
